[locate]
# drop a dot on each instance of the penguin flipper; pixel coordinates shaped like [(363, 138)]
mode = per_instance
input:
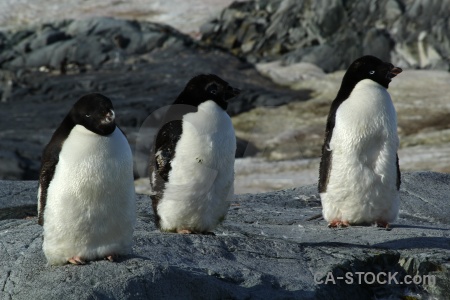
[(161, 159), (399, 179), (50, 158), (325, 166), (325, 162), (165, 144)]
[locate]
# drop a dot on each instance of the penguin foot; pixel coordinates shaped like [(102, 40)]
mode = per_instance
[(189, 231), (76, 260), (208, 233), (112, 257), (338, 224), (382, 224)]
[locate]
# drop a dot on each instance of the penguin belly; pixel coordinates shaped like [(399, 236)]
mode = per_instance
[(362, 182), (200, 186), (90, 208)]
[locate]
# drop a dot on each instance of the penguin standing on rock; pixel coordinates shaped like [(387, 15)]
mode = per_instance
[(192, 166), (359, 172), (86, 198)]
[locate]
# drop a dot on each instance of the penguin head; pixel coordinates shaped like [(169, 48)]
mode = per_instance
[(95, 112), (373, 68), (206, 87)]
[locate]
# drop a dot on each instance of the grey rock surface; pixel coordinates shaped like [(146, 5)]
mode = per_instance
[(267, 248), (332, 34)]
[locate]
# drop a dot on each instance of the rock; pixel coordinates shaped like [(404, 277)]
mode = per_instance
[(331, 34), (258, 175), (289, 74), (88, 43), (186, 16), (145, 75), (268, 247)]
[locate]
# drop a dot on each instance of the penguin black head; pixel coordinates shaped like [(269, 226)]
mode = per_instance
[(370, 67), (95, 112), (206, 87)]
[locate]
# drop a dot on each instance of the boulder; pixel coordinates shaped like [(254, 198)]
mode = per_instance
[(332, 34), (270, 246), (87, 43)]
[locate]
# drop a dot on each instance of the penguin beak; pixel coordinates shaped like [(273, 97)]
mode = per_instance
[(231, 92), (394, 72)]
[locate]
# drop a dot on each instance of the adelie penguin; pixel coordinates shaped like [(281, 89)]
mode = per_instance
[(192, 165), (86, 198), (359, 171)]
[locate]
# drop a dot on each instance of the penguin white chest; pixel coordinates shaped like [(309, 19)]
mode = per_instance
[(363, 175), (200, 183), (90, 207)]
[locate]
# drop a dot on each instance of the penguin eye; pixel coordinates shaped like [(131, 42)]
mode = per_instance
[(212, 88), (372, 72)]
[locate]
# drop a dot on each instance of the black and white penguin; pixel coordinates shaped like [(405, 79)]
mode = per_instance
[(192, 166), (359, 172), (86, 197)]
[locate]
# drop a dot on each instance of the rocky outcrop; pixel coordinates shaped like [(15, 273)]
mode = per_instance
[(333, 33), (141, 74), (79, 44), (268, 247)]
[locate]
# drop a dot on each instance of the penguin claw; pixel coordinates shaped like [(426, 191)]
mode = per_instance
[(338, 224), (382, 224), (76, 260), (112, 257), (188, 231)]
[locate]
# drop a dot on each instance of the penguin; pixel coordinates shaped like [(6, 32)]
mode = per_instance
[(192, 165), (359, 177), (86, 197)]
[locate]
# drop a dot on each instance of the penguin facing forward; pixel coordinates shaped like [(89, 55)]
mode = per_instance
[(86, 198), (192, 166), (359, 171)]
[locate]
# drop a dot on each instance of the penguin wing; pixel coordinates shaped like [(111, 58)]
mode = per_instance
[(325, 166), (165, 143), (399, 179), (326, 160), (50, 158), (160, 164)]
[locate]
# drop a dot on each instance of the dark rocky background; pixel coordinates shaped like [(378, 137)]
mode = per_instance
[(46, 69), (142, 66), (333, 33)]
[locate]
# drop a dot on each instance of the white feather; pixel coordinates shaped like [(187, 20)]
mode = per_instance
[(90, 208), (200, 186), (362, 183)]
